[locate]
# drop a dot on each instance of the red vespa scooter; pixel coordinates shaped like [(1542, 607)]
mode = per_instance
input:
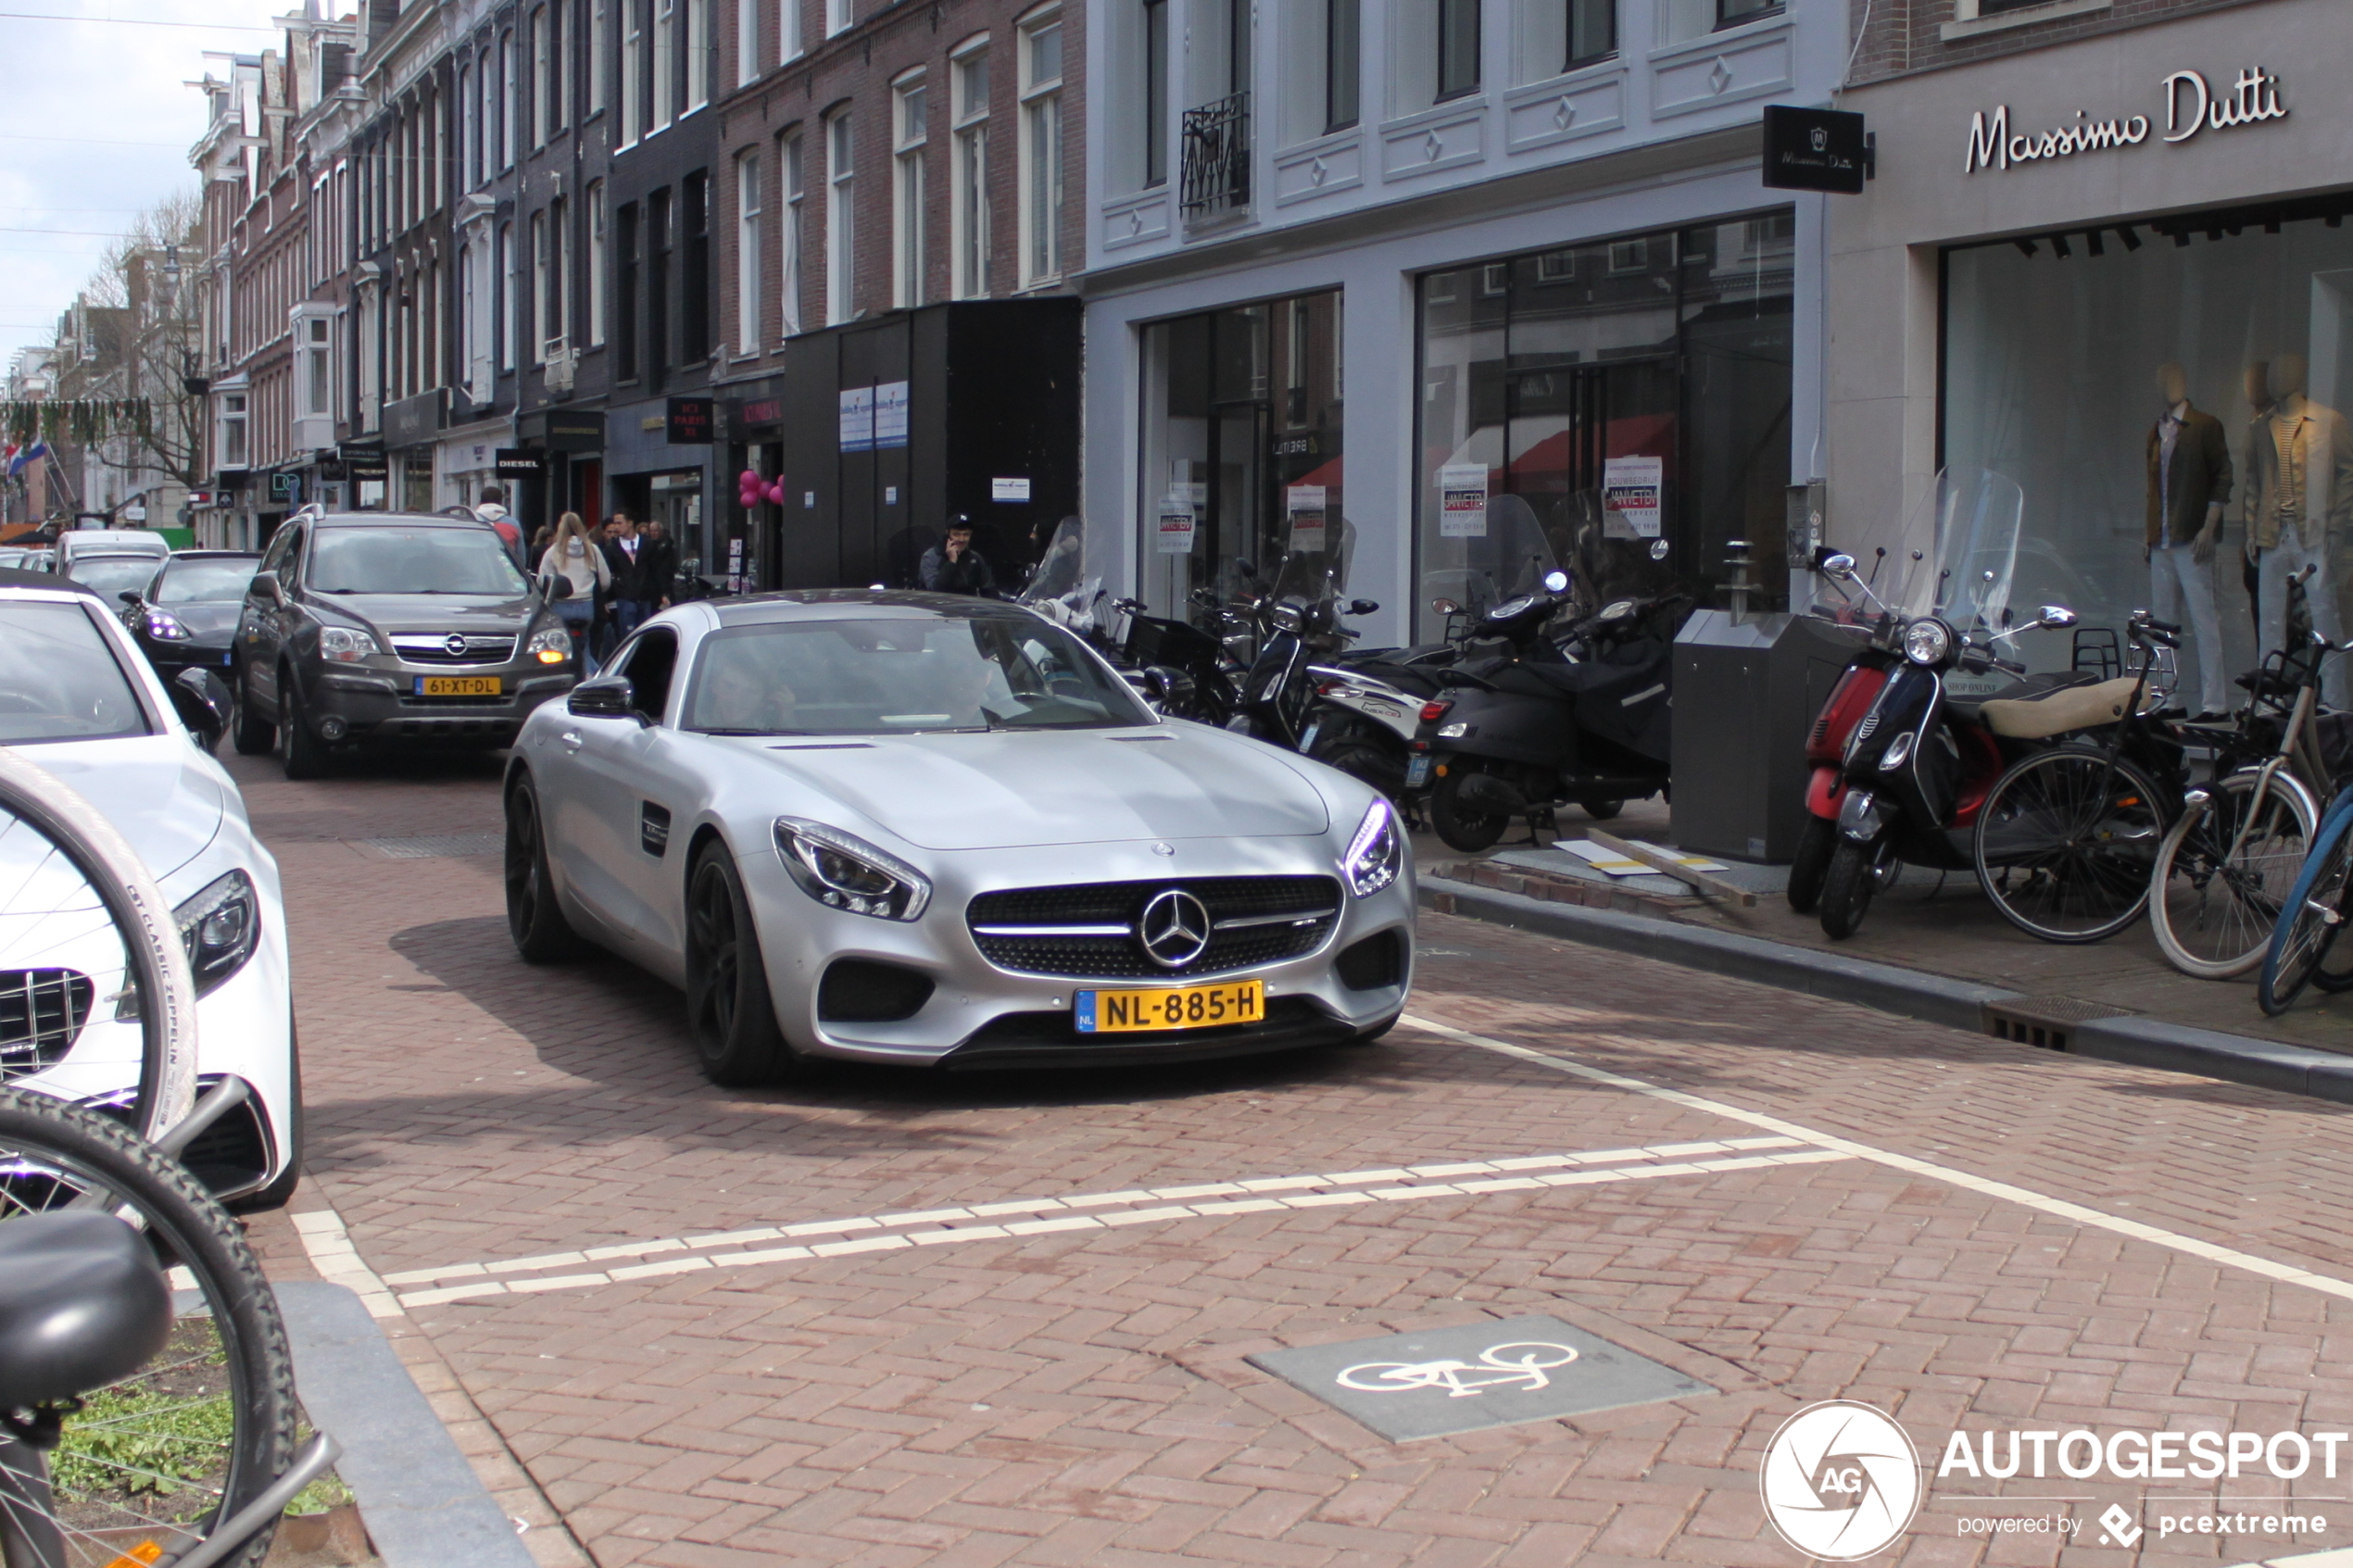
[(1858, 688)]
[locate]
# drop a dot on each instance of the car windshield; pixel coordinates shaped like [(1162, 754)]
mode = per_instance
[(111, 574), (413, 560), (59, 679), (205, 580), (901, 675)]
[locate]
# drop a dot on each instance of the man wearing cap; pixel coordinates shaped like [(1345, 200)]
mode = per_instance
[(952, 566)]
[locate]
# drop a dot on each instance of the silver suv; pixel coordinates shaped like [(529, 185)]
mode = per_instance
[(392, 631)]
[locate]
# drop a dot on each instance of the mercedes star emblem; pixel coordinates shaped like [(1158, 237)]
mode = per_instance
[(454, 646), (1160, 848), (1174, 928)]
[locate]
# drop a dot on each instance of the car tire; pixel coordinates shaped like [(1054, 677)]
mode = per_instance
[(730, 1015), (533, 918), (249, 733), (306, 754)]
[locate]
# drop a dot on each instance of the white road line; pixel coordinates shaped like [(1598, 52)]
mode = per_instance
[(1076, 1200), (2287, 1274), (1785, 1151), (338, 1262)]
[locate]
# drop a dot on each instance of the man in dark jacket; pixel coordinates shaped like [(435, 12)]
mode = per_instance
[(952, 566), (2189, 479), (657, 567), (621, 547)]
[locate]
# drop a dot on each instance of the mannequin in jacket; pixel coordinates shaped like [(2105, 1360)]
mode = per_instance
[(2189, 480), (2298, 495)]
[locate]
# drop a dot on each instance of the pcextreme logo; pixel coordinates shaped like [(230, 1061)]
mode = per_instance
[(1841, 1481)]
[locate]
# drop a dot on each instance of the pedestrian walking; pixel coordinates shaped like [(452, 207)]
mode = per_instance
[(574, 556), (492, 509), (621, 547), (952, 566), (657, 567), (541, 539)]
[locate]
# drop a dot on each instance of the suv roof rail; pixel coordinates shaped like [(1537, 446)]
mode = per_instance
[(308, 509)]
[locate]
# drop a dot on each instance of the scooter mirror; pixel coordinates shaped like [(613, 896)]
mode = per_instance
[(1556, 581), (1362, 606), (1445, 607), (2057, 615), (1840, 567)]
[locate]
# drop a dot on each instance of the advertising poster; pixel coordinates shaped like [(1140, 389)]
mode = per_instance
[(890, 414), (1305, 503), (858, 419), (1629, 497), (1176, 528), (1462, 501)]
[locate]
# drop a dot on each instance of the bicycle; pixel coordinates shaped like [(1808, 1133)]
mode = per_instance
[(2311, 916), (171, 1415)]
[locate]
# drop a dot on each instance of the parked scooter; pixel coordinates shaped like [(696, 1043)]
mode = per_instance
[(1301, 622)]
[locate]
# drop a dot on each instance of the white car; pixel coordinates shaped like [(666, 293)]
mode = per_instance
[(78, 699)]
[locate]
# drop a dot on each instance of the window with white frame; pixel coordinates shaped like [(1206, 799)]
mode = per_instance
[(789, 264), (467, 129), (318, 366), (632, 61), (539, 76), (1154, 96), (539, 313), (841, 240), (507, 100), (968, 209), (665, 62), (1592, 31), (789, 42), (469, 327), (557, 327), (599, 259), (1457, 44), (233, 452), (597, 24), (485, 135), (909, 251), (747, 41), (747, 273), (838, 16), (1343, 62), (504, 328), (697, 53), (1041, 148)]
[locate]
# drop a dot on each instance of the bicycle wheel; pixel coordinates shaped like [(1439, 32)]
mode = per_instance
[(2066, 842), (89, 941), (2313, 914), (2224, 871), (158, 1459)]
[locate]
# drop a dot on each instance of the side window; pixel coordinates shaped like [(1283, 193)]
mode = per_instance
[(650, 667), (290, 571), (275, 556)]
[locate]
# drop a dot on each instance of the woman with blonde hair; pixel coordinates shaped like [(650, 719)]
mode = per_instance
[(575, 557)]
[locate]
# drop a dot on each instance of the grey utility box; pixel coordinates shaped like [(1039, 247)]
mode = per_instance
[(1745, 694)]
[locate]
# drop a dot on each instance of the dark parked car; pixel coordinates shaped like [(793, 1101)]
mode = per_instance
[(392, 630), (186, 615)]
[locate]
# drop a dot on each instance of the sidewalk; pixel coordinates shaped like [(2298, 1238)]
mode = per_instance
[(1931, 948)]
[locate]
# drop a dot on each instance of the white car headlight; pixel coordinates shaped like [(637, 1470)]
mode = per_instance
[(1377, 854), (221, 925), (344, 645), (550, 645), (845, 873), (1927, 641)]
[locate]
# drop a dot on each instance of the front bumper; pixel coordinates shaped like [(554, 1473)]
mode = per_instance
[(366, 704), (980, 1014)]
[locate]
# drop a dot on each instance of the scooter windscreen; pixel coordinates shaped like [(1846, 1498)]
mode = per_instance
[(1507, 557), (1060, 588), (1972, 517), (1315, 567)]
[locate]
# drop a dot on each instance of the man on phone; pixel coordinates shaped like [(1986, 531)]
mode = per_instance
[(952, 566)]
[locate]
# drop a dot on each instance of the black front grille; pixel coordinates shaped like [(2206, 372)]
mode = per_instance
[(1315, 900), (42, 1011), (861, 991)]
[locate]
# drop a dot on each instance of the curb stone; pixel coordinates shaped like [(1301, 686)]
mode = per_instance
[(1932, 998)]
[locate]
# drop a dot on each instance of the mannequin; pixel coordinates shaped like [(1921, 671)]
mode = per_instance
[(2189, 479), (2299, 490)]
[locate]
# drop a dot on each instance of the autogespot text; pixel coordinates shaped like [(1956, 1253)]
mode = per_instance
[(2143, 1456)]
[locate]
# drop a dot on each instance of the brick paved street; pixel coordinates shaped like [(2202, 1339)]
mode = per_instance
[(1897, 1229)]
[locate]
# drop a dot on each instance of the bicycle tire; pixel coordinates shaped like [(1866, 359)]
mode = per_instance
[(2308, 926), (55, 1156), (2224, 872), (2066, 843), (154, 959)]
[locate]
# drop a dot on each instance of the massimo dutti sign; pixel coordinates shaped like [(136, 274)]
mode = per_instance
[(2190, 104)]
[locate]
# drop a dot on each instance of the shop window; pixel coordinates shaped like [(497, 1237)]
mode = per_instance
[(969, 214), (1661, 360), (909, 107)]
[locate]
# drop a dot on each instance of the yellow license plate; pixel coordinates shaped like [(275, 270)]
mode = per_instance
[(1175, 1007), (457, 685)]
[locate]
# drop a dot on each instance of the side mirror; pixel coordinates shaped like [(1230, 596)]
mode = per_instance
[(201, 698), (554, 585), (610, 698), (2057, 615), (1362, 606), (129, 595), (1445, 607), (1840, 567), (1167, 687), (1556, 581), (265, 586)]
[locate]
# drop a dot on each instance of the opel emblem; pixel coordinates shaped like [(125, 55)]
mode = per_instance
[(454, 646), (1174, 928)]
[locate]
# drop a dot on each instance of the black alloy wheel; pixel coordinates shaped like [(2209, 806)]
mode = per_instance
[(729, 1012), (305, 753), (540, 932), (248, 732), (1461, 826), (1810, 868)]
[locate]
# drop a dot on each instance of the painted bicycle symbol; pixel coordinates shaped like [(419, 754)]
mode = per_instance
[(1524, 1365)]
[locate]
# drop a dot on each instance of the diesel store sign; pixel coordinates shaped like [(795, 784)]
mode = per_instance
[(2191, 105)]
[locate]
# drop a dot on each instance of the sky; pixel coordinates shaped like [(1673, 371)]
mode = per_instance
[(97, 126)]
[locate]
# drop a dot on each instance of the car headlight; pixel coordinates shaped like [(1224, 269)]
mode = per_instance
[(344, 645), (550, 645), (220, 926), (1377, 852), (1927, 641), (165, 627), (845, 873)]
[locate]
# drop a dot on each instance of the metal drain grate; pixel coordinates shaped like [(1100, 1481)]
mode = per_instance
[(2047, 1021), (433, 846)]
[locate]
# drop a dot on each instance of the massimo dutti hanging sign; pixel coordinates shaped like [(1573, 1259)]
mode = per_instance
[(2192, 104)]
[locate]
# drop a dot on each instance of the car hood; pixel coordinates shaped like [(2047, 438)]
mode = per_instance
[(152, 788), (433, 612), (1011, 790), (210, 621)]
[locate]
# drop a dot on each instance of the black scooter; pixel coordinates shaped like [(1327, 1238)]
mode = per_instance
[(1519, 736)]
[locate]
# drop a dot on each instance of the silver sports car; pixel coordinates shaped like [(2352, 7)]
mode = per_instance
[(915, 828)]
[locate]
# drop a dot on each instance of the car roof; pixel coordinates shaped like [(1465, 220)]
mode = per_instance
[(10, 578), (396, 519), (215, 554), (116, 541), (843, 604)]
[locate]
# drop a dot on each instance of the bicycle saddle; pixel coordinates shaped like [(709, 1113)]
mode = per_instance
[(82, 1303), (2056, 712)]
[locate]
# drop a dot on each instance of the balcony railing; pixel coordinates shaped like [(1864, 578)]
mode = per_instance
[(1217, 166)]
